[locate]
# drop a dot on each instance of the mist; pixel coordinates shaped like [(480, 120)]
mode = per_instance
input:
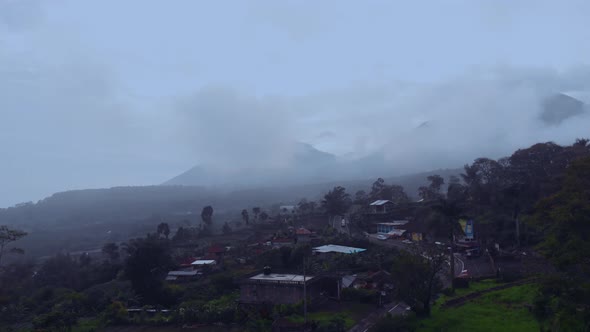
[(161, 88)]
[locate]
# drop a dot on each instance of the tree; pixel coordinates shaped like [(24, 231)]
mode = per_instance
[(361, 197), (207, 216), (148, 262), (263, 216), (163, 229), (449, 212), (9, 235), (245, 216), (303, 206), (256, 211), (563, 220), (226, 229), (377, 189), (432, 191), (336, 201), (112, 251), (417, 277)]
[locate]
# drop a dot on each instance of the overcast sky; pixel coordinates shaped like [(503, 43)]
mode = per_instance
[(105, 93)]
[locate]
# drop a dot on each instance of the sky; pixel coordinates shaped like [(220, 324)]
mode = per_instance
[(109, 93)]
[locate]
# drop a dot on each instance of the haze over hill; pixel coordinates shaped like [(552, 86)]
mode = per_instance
[(86, 104)]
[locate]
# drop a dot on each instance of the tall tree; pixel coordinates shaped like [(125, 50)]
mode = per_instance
[(9, 235), (336, 202), (245, 216), (256, 212), (361, 197), (226, 229), (417, 276), (163, 229), (563, 220), (148, 261), (207, 215), (112, 251)]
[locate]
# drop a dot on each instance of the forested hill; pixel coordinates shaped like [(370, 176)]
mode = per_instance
[(129, 204)]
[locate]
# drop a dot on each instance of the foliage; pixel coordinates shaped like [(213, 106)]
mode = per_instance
[(115, 313), (564, 220), (245, 216), (418, 279), (112, 251), (395, 324), (207, 215), (148, 261), (226, 229), (9, 235), (360, 295), (502, 310), (336, 201), (380, 190), (163, 229)]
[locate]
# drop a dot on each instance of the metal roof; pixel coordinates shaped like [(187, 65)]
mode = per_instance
[(338, 249), (381, 202), (281, 277), (183, 273), (203, 262)]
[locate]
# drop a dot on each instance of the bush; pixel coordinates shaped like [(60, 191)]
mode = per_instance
[(360, 295), (448, 291)]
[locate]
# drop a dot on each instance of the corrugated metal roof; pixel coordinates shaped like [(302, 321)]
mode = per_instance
[(203, 262), (381, 202), (338, 249), (183, 273), (281, 277)]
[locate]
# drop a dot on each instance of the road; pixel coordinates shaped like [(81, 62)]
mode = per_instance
[(395, 309)]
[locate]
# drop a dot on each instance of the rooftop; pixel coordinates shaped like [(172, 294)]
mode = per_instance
[(395, 223), (294, 278), (184, 273), (338, 249), (204, 262), (381, 202)]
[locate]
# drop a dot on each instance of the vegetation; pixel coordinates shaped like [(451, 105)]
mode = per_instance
[(503, 310), (536, 200)]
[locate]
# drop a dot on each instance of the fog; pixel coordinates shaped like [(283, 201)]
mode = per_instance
[(109, 93)]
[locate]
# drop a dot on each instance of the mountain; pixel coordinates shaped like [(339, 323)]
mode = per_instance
[(562, 106), (308, 164)]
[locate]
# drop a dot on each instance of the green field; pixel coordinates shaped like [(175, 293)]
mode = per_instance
[(502, 310)]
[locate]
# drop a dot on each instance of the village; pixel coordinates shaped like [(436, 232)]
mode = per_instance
[(301, 268)]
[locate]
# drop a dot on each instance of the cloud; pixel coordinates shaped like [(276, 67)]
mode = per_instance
[(18, 15), (224, 128)]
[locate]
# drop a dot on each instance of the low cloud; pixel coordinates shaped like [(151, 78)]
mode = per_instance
[(229, 130)]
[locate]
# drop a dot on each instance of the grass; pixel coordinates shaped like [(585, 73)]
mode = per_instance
[(351, 313), (502, 310)]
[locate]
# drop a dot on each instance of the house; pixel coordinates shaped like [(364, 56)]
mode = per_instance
[(381, 206), (183, 275), (334, 248), (379, 280), (303, 235), (388, 227), (217, 250), (277, 288), (204, 265)]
